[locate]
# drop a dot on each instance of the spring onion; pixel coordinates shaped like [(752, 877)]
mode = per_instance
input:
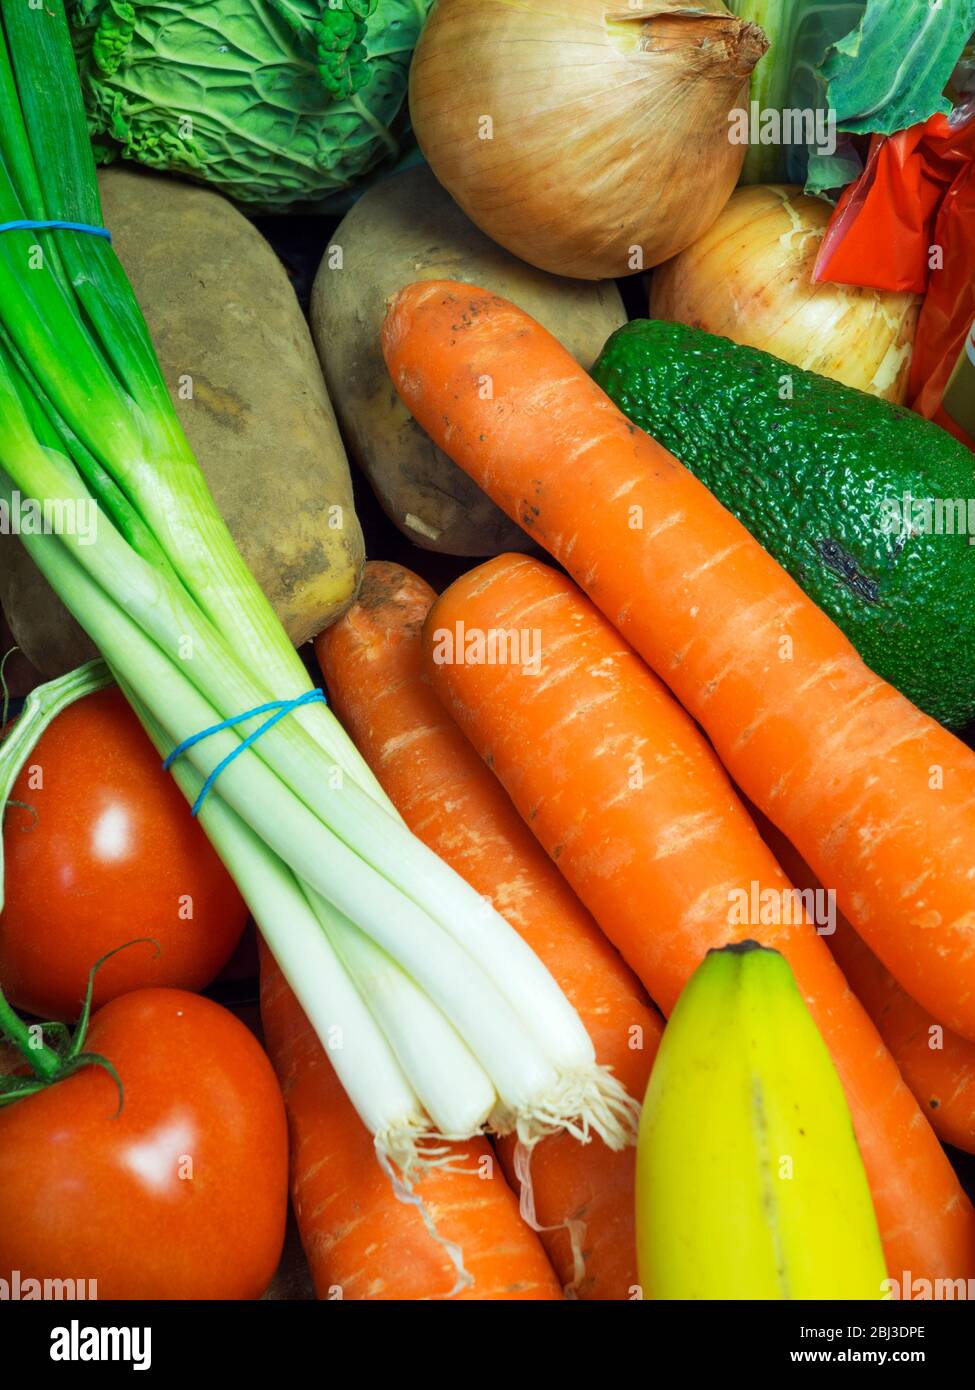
[(449, 1021)]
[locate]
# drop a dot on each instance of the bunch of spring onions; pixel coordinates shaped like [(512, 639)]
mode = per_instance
[(437, 1017)]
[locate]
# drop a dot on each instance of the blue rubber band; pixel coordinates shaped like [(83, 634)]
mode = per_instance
[(27, 225), (280, 708)]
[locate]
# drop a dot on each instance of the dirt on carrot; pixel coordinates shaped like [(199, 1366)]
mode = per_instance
[(372, 660), (361, 1242), (878, 798), (628, 798)]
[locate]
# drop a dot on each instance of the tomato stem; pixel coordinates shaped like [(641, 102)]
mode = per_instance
[(43, 1060), (56, 1064)]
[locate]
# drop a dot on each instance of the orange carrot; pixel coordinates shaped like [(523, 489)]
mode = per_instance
[(938, 1065), (360, 1241), (373, 665), (628, 798), (878, 798)]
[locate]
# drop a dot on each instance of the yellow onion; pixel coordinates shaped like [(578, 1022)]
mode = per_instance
[(589, 138), (749, 277)]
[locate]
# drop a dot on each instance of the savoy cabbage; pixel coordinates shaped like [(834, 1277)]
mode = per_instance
[(270, 101)]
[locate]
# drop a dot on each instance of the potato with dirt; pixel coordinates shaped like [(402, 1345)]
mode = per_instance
[(242, 371), (403, 229)]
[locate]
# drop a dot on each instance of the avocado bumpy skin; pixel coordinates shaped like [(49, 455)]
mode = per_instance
[(817, 472)]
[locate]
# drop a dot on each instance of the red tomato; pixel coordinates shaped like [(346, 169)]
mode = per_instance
[(183, 1194), (109, 852)]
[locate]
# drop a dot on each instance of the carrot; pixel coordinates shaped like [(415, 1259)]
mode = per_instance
[(360, 1241), (628, 798), (938, 1065), (373, 665), (878, 798)]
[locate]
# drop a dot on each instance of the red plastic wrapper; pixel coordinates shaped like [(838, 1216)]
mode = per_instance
[(908, 223)]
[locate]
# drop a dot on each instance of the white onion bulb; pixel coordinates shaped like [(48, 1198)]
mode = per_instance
[(749, 278)]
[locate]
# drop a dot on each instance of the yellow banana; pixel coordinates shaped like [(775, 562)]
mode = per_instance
[(750, 1184)]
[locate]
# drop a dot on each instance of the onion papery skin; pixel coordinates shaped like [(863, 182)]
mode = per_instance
[(749, 278), (591, 140)]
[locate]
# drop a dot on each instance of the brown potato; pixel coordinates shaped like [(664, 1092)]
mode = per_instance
[(403, 229), (242, 371)]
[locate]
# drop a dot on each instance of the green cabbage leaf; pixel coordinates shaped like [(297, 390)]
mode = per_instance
[(891, 71), (272, 102), (870, 65)]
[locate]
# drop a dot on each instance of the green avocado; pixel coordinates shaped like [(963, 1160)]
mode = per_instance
[(869, 507)]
